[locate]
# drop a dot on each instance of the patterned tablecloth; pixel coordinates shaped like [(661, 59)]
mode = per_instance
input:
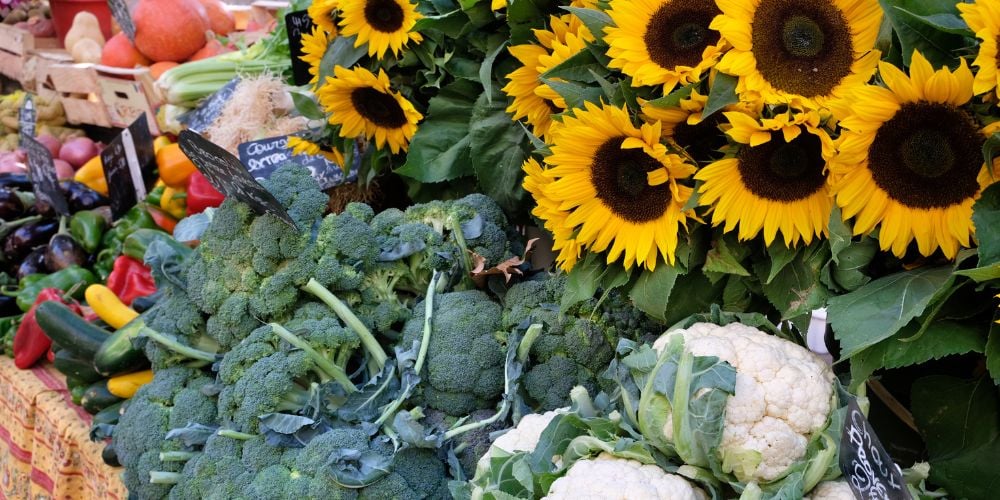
[(45, 450)]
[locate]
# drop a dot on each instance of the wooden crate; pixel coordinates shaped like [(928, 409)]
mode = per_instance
[(16, 46), (105, 96), (80, 93), (38, 71)]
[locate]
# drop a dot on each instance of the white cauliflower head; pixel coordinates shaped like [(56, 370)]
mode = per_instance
[(525, 436), (607, 477), (831, 490), (783, 395)]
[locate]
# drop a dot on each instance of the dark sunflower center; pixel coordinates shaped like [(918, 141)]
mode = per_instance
[(381, 109), (678, 33), (783, 171), (802, 47), (384, 15), (928, 155), (619, 175), (702, 141)]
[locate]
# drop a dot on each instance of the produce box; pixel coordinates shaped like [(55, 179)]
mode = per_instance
[(16, 46), (80, 92), (38, 71), (108, 97)]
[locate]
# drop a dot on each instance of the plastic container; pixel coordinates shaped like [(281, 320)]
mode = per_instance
[(63, 12)]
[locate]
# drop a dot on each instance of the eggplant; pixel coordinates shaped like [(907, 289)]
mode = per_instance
[(8, 306), (34, 263), (80, 197), (28, 237), (19, 182), (11, 206), (63, 251)]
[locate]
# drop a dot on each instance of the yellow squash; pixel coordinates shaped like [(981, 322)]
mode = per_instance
[(108, 306)]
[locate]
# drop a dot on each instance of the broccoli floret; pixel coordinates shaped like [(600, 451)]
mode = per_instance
[(279, 483), (574, 346), (258, 455), (296, 190), (465, 359), (416, 473), (215, 473), (360, 211)]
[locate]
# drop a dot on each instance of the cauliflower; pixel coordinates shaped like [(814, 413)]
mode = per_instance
[(832, 490), (525, 436), (609, 477), (784, 394)]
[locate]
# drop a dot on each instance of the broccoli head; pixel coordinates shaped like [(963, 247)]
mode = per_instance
[(465, 359)]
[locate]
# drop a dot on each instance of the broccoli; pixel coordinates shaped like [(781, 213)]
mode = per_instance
[(173, 399), (214, 473), (176, 314), (416, 473), (575, 346), (465, 358)]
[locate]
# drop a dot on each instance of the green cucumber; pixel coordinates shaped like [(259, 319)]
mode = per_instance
[(68, 330), (76, 367), (97, 397), (109, 415), (117, 355)]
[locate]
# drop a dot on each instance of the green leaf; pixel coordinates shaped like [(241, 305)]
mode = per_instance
[(960, 422), (848, 268), (583, 281), (840, 234), (722, 94), (796, 289), (780, 256), (340, 52), (451, 24), (523, 16), (439, 150), (651, 292), (576, 94), (942, 338), (306, 105), (991, 148), (908, 18), (723, 258), (580, 67), (878, 310), (944, 22), (486, 70), (993, 350), (986, 214), (981, 274), (673, 99), (498, 149), (695, 293), (594, 20)]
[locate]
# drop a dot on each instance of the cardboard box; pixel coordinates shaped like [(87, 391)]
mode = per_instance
[(16, 46)]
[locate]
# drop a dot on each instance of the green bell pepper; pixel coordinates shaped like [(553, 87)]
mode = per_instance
[(136, 244), (87, 227), (65, 279)]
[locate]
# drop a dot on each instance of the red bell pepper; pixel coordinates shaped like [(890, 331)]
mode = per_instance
[(162, 219), (30, 342), (201, 194), (130, 279)]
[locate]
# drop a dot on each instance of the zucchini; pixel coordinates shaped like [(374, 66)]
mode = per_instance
[(109, 456), (76, 368), (97, 397), (117, 355), (69, 330), (108, 415), (76, 394)]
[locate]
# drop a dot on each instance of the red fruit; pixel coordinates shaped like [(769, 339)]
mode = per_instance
[(170, 30), (219, 19), (120, 53)]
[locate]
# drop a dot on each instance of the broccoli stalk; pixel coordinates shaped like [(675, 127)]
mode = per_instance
[(161, 477), (350, 319), (171, 343), (331, 370), (177, 456), (231, 434)]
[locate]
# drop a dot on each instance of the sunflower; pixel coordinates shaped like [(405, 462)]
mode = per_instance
[(800, 52), (362, 103), (322, 14), (617, 185), (532, 99), (382, 24), (910, 159), (983, 18), (300, 146), (313, 47), (663, 42), (775, 181), (685, 127), (536, 179)]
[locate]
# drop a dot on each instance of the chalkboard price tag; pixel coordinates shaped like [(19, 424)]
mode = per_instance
[(43, 176), (298, 23), (119, 10), (227, 174), (27, 118), (200, 118), (867, 467), (262, 157), (129, 163)]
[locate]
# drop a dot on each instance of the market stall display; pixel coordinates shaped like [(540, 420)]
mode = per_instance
[(502, 249)]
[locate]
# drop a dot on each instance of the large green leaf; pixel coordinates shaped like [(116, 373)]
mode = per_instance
[(960, 422), (439, 150), (796, 289), (498, 150), (993, 350), (942, 338), (986, 216), (909, 19), (651, 292), (583, 281), (340, 52), (576, 94), (579, 67), (595, 20), (524, 15), (725, 257), (694, 294), (722, 94), (878, 310)]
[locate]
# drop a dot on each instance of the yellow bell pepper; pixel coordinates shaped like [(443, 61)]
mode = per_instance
[(125, 386), (175, 167), (91, 174), (159, 142), (108, 306), (173, 202)]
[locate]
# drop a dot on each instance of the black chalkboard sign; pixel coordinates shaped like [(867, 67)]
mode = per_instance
[(27, 118), (43, 176), (867, 467), (298, 23), (225, 172), (129, 164), (119, 10), (263, 156), (200, 118)]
